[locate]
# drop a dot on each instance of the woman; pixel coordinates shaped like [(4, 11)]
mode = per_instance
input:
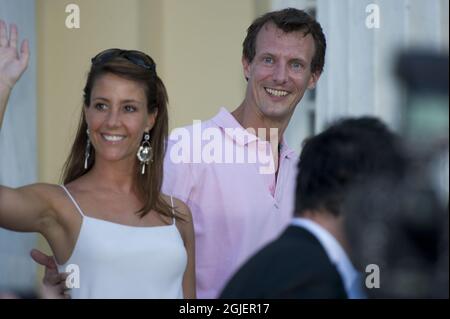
[(109, 221)]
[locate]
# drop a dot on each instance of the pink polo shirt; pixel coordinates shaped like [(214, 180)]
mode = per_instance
[(237, 205)]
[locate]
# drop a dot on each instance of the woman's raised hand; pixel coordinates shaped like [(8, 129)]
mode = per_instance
[(12, 62)]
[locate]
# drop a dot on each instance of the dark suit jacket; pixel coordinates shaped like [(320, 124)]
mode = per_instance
[(293, 266)]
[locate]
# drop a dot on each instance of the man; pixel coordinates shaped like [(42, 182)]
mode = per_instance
[(238, 206), (310, 259)]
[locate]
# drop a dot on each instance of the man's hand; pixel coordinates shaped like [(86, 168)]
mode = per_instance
[(54, 283), (12, 64)]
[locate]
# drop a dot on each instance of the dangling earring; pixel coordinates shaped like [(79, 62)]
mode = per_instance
[(87, 152), (145, 152)]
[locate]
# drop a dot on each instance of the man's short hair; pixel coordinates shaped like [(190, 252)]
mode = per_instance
[(288, 20), (348, 152)]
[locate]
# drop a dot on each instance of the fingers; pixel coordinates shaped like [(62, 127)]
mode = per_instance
[(59, 286), (12, 40), (43, 259), (66, 293), (59, 291), (25, 53), (54, 282), (13, 36), (24, 48), (13, 63), (53, 278), (63, 289), (3, 36)]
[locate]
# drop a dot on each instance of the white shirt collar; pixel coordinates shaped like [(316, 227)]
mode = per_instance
[(336, 253)]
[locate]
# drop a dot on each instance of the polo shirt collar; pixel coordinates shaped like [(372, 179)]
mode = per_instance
[(224, 119)]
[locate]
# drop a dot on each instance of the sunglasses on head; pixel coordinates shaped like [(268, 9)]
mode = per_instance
[(136, 57)]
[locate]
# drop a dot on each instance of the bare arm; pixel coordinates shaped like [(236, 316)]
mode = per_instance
[(26, 209), (186, 227), (12, 64)]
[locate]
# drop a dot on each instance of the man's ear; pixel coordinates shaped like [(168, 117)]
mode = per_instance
[(246, 67), (314, 79)]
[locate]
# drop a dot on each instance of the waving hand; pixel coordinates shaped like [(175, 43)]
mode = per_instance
[(12, 63)]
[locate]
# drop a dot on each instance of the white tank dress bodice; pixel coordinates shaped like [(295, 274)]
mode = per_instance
[(118, 261)]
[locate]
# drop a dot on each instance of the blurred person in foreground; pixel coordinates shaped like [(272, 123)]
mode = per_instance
[(310, 259), (399, 228)]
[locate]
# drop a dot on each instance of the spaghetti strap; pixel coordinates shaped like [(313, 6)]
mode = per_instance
[(173, 211), (73, 200)]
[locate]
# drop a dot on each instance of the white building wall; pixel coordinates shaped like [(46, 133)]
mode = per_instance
[(358, 78)]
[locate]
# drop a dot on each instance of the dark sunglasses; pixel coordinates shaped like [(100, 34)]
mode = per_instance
[(136, 57)]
